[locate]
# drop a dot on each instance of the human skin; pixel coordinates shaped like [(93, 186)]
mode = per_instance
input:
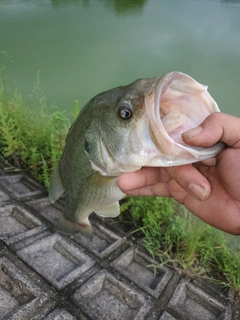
[(210, 189)]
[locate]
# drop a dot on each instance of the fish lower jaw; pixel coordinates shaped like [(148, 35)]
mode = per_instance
[(186, 155)]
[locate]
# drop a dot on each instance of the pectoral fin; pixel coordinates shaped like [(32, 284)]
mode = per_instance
[(68, 227), (56, 188), (111, 211)]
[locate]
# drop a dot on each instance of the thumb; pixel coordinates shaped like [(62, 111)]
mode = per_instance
[(216, 127)]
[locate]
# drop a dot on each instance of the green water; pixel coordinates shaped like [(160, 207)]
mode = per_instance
[(83, 47)]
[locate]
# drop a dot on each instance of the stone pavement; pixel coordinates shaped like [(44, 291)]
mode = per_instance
[(45, 275)]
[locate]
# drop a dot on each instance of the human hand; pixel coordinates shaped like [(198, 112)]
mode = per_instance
[(211, 189)]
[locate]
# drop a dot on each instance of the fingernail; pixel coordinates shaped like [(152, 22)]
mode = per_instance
[(193, 132), (197, 191), (209, 162)]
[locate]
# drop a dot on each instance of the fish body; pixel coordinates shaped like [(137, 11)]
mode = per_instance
[(121, 130)]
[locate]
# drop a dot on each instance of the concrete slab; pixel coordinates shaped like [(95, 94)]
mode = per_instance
[(190, 302), (105, 297), (44, 275), (16, 224), (103, 242), (143, 271), (20, 298), (3, 196), (20, 187), (60, 314), (57, 260), (167, 316), (45, 209)]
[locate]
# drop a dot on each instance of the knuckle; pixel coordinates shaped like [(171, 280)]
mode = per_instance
[(177, 173)]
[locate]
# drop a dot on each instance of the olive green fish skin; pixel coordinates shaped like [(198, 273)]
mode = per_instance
[(121, 130), (85, 189)]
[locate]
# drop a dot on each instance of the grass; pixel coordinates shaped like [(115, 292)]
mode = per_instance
[(175, 236), (32, 137)]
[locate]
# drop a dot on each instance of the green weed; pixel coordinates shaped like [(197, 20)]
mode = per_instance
[(31, 137), (173, 235)]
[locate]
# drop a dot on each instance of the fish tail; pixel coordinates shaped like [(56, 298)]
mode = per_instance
[(68, 227)]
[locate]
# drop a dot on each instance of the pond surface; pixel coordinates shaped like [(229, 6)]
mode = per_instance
[(83, 47)]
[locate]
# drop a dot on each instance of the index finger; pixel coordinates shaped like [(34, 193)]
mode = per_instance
[(154, 181), (146, 176)]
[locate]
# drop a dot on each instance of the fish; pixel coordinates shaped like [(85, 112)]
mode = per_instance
[(122, 130)]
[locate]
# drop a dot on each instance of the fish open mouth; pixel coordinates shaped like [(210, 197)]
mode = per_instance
[(177, 104)]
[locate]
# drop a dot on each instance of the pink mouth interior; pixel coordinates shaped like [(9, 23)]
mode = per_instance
[(183, 104)]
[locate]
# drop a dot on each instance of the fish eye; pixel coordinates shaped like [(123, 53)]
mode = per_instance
[(125, 112)]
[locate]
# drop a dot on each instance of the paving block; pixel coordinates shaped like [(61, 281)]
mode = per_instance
[(3, 197), (189, 302), (105, 297), (43, 206), (103, 242), (133, 264), (57, 260), (20, 187), (119, 226), (20, 299), (212, 288), (60, 314), (16, 224), (167, 316)]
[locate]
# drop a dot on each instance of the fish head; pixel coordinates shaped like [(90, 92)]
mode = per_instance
[(141, 124)]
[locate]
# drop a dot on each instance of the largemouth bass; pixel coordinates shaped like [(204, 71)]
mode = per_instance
[(121, 130)]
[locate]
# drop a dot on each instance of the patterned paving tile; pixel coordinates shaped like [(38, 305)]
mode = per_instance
[(190, 302), (60, 314), (20, 187), (135, 266), (57, 260), (3, 196), (103, 242), (16, 224), (43, 206), (19, 297), (105, 297), (167, 316)]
